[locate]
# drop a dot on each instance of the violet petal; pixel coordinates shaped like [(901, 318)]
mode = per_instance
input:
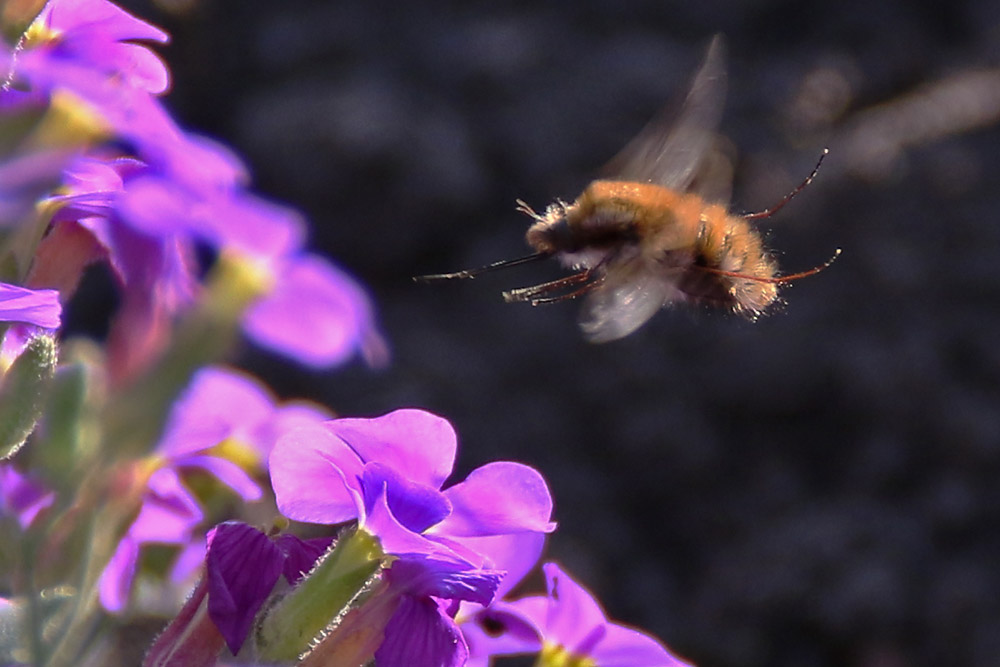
[(418, 443), (116, 579), (445, 579), (315, 476), (632, 648), (301, 555), (227, 472), (420, 634), (573, 612), (218, 403), (316, 314), (497, 498), (415, 506), (38, 307), (242, 567)]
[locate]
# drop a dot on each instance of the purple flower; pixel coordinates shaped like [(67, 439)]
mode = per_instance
[(311, 311), (242, 567), (27, 177), (36, 307), (421, 630), (157, 275), (87, 49), (21, 497), (169, 515), (98, 36), (387, 473), (316, 314), (224, 417), (569, 627), (28, 310), (147, 217), (227, 406), (147, 225)]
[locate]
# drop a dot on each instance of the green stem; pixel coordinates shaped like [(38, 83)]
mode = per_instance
[(320, 598)]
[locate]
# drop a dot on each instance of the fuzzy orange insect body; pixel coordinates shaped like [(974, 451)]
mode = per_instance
[(676, 235), (658, 231)]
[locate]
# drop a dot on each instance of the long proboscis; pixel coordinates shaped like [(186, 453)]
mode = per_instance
[(472, 273), (777, 279)]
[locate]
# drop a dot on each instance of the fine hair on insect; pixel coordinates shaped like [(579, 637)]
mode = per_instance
[(656, 230)]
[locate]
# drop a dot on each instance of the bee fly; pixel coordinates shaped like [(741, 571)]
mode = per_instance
[(658, 232)]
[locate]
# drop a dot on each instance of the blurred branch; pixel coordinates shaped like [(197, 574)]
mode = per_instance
[(871, 144)]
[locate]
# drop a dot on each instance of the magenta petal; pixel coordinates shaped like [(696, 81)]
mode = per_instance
[(415, 506), (301, 555), (22, 497), (285, 419), (38, 307), (316, 476), (115, 23), (420, 634), (217, 404), (397, 539), (91, 35), (498, 631), (169, 511), (316, 314), (631, 648), (147, 71), (116, 580), (573, 611), (497, 498), (161, 523), (256, 226), (242, 567), (418, 444), (157, 207), (444, 579), (515, 554), (191, 557), (228, 473)]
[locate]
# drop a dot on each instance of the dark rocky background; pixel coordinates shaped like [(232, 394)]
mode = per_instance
[(817, 488)]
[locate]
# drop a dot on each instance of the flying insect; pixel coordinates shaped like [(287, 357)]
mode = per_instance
[(658, 231)]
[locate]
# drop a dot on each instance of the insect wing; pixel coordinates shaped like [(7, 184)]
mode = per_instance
[(713, 178), (628, 296), (672, 153)]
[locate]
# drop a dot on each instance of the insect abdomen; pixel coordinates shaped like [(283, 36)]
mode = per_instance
[(728, 243)]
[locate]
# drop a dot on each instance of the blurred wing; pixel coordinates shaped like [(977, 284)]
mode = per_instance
[(713, 178), (624, 301), (669, 154)]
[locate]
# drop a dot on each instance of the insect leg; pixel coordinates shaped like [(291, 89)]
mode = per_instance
[(775, 280), (781, 204), (472, 273), (589, 287), (532, 291)]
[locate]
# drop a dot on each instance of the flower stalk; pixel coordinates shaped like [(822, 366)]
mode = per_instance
[(322, 598)]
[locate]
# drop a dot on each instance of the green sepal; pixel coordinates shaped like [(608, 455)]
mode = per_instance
[(71, 436), (321, 598), (25, 388)]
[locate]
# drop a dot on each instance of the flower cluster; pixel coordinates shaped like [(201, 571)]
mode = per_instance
[(140, 474), (222, 418), (146, 210)]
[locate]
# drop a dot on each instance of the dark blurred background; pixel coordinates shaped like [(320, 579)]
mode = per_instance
[(817, 488)]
